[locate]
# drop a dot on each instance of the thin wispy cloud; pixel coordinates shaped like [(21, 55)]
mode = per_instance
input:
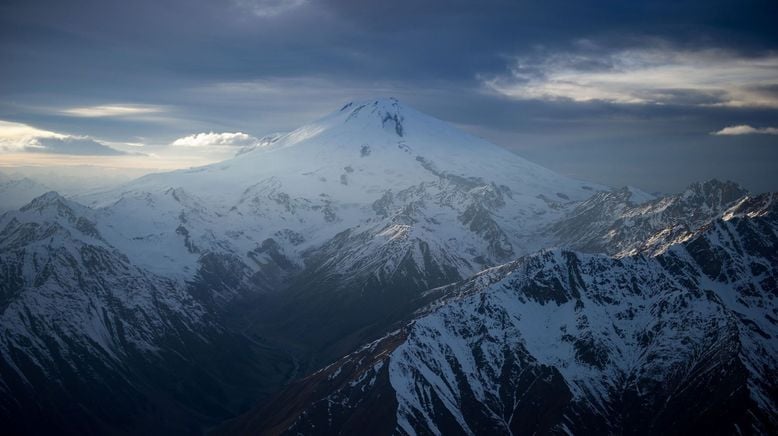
[(73, 145), (745, 129), (15, 136), (102, 111), (269, 8), (23, 138), (287, 102), (647, 76)]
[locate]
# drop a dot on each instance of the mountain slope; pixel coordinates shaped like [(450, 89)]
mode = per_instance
[(366, 165), (93, 344), (561, 342), (357, 211)]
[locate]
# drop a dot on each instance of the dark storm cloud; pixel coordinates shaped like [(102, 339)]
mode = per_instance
[(267, 65), (112, 41)]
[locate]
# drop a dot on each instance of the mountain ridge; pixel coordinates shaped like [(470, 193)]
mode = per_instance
[(292, 255), (445, 370)]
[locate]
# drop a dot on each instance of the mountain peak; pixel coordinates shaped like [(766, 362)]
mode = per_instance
[(53, 204), (47, 199), (714, 192), (382, 102), (357, 153), (388, 111)]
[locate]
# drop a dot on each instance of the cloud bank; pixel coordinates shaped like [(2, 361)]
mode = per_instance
[(211, 139), (225, 143), (745, 129)]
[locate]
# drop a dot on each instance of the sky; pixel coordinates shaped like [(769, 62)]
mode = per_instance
[(652, 94)]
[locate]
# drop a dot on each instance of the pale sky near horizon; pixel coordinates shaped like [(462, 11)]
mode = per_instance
[(651, 94)]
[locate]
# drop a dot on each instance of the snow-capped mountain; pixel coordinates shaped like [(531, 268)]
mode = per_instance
[(91, 342), (16, 192), (362, 208), (566, 343), (376, 167), (626, 221), (180, 299)]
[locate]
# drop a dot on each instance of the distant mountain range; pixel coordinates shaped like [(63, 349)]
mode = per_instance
[(15, 192), (379, 271)]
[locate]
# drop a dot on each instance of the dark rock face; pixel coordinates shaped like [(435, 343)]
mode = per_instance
[(354, 405)]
